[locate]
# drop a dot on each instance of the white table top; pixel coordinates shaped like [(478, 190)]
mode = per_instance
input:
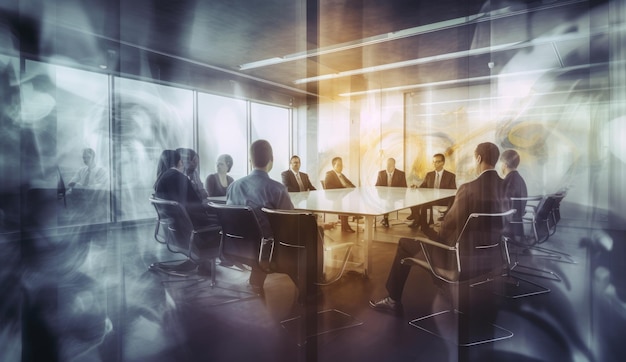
[(366, 201)]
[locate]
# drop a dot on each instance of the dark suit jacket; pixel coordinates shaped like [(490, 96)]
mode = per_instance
[(174, 186), (448, 180), (397, 180), (289, 180), (331, 181), (514, 186), (485, 194)]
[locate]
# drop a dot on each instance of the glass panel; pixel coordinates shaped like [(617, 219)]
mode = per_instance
[(222, 130), (272, 124), (151, 118), (10, 164), (72, 105)]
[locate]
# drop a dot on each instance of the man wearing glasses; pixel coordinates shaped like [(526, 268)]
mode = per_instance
[(436, 179)]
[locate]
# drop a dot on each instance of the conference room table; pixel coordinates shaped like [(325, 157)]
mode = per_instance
[(368, 202)]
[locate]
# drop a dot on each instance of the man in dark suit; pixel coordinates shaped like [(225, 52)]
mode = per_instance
[(392, 177), (293, 179), (436, 179), (335, 179), (514, 186), (483, 194)]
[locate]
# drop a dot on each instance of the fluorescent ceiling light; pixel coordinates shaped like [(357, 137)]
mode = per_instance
[(465, 80), (455, 55)]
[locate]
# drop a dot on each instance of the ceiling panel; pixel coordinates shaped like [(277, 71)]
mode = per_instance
[(416, 41)]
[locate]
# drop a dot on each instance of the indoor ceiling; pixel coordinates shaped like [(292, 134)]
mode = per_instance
[(351, 47)]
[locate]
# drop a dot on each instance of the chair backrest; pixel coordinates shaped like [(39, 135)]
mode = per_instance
[(241, 233), (179, 226), (556, 207), (162, 223), (294, 231), (478, 250), (323, 182), (544, 208)]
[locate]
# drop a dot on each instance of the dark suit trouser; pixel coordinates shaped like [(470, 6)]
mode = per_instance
[(398, 274)]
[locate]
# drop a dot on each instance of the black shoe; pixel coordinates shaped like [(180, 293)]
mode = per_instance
[(347, 229), (225, 263), (185, 266), (204, 269), (386, 305), (385, 223), (410, 217)]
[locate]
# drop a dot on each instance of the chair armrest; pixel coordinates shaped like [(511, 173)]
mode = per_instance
[(444, 274), (435, 243), (206, 229), (291, 245), (527, 198), (415, 262)]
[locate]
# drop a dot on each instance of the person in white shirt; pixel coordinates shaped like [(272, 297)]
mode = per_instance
[(89, 176)]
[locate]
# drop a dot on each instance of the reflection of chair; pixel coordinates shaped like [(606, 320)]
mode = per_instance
[(175, 229), (542, 214), (516, 287), (297, 252), (475, 258)]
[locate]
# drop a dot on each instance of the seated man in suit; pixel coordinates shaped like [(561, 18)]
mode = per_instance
[(392, 177), (514, 186), (335, 179), (293, 179), (436, 179), (483, 194)]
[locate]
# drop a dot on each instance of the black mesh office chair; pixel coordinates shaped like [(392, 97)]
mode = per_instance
[(175, 229), (541, 215), (298, 252), (242, 238), (475, 258)]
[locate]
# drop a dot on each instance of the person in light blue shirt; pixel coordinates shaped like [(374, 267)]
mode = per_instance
[(258, 190)]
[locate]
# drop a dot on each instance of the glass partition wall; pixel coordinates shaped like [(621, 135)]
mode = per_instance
[(70, 111), (551, 86)]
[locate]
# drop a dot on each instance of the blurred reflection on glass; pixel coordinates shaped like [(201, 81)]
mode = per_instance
[(272, 124), (222, 130), (150, 118), (10, 257)]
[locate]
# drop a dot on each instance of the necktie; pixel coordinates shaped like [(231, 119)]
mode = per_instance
[(388, 179), (299, 181), (87, 178), (437, 180), (342, 178)]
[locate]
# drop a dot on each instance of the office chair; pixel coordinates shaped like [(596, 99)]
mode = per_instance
[(324, 250), (175, 229), (517, 287), (298, 253), (542, 213), (242, 238), (474, 259)]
